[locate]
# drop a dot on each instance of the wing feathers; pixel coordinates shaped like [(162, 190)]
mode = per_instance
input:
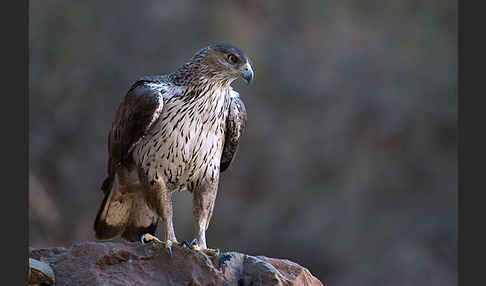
[(139, 110), (235, 125)]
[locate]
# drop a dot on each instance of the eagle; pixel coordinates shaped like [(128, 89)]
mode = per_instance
[(171, 133)]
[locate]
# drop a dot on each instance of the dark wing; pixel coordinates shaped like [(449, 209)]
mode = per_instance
[(139, 110), (235, 125)]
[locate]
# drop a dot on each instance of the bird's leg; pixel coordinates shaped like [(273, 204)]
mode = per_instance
[(203, 204), (166, 215), (161, 201)]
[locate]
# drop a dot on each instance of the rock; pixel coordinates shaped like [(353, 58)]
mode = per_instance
[(115, 263), (40, 273)]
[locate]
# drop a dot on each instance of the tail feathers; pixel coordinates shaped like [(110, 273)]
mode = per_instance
[(142, 220), (107, 184), (113, 215)]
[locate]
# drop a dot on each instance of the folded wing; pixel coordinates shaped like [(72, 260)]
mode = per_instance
[(139, 110), (235, 125)]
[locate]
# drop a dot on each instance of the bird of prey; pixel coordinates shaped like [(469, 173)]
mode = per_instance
[(171, 133)]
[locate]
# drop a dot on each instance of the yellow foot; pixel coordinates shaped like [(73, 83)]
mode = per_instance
[(195, 246), (146, 238), (168, 246), (211, 252)]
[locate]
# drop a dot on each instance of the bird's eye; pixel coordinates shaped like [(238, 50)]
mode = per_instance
[(232, 59)]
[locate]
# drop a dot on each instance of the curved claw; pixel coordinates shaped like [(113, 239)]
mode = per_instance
[(146, 238), (195, 246), (168, 246), (185, 243), (169, 249)]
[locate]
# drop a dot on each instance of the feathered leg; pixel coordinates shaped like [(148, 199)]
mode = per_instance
[(160, 200), (203, 204)]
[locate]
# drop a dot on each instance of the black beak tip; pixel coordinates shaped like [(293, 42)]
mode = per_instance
[(248, 76)]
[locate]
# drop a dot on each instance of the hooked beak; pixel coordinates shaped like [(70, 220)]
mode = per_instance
[(247, 73)]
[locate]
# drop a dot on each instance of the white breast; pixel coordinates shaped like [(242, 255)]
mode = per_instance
[(185, 144)]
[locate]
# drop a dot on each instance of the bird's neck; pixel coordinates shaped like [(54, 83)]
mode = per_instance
[(194, 75)]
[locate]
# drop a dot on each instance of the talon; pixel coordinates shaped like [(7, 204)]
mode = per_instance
[(146, 238), (186, 244), (170, 251), (168, 246), (211, 252), (195, 246)]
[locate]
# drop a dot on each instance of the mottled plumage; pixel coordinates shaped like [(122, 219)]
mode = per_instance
[(173, 132)]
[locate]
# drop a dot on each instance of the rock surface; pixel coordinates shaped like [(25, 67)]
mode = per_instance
[(113, 263), (40, 273)]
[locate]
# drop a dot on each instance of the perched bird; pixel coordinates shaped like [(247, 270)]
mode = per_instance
[(171, 133)]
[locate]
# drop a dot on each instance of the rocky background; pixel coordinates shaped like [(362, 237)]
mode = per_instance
[(349, 161)]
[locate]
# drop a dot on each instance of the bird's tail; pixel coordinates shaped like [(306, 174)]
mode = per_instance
[(142, 220), (114, 212)]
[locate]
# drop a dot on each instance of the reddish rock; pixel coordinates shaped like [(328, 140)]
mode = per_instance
[(110, 263)]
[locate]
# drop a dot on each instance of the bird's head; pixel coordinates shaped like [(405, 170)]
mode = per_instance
[(223, 62)]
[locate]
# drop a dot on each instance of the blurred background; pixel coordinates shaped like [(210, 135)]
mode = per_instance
[(349, 161)]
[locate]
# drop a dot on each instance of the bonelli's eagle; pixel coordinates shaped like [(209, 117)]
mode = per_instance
[(173, 132)]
